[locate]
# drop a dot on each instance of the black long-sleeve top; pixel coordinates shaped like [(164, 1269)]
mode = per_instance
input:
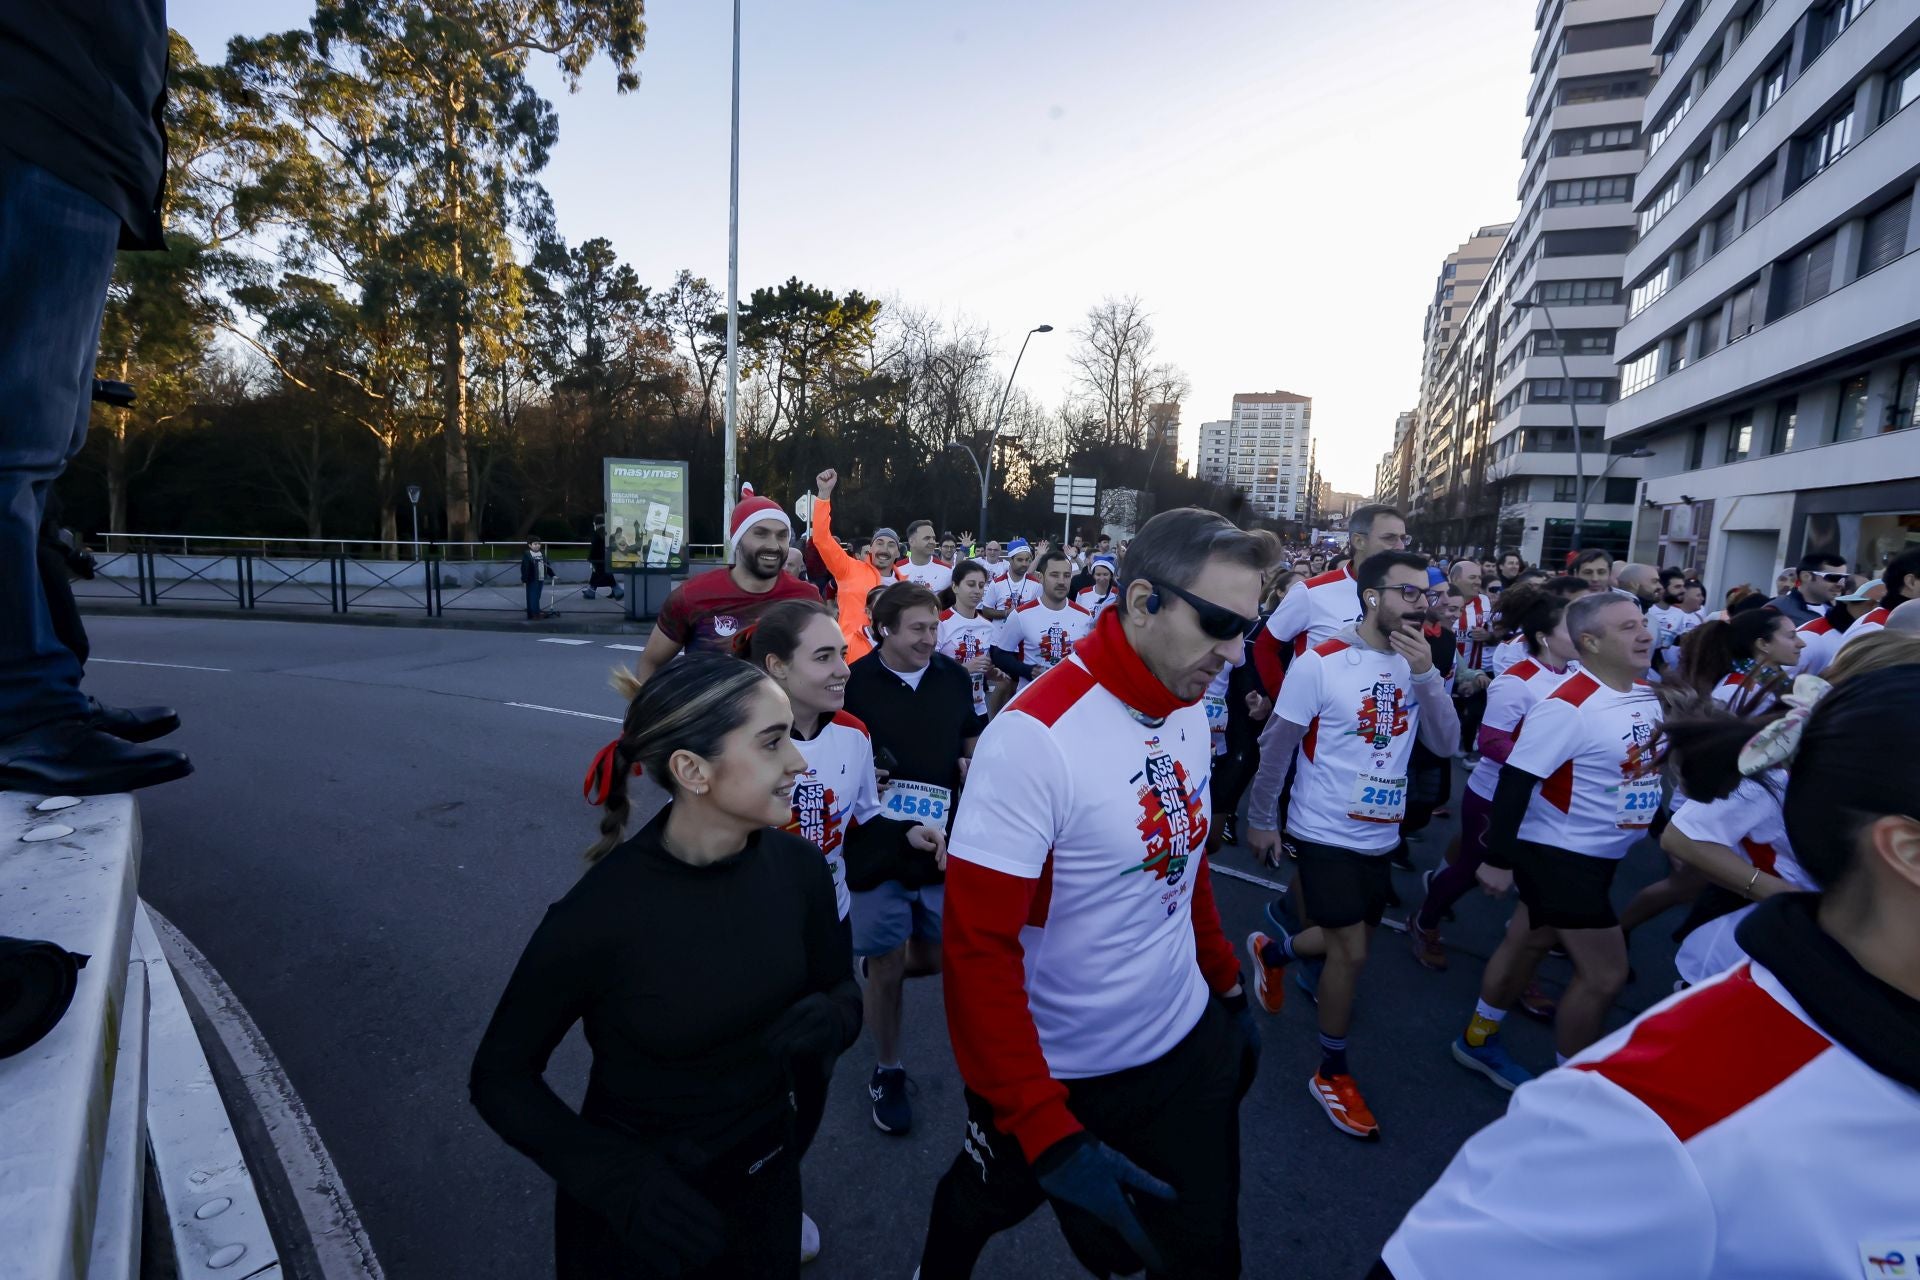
[(644, 949)]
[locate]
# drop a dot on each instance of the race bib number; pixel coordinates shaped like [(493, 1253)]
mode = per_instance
[(1216, 705), (1377, 799), (1639, 800), (917, 802)]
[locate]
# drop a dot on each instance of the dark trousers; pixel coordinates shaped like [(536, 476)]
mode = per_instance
[(56, 257), (1472, 710), (1232, 773), (1177, 1117), (533, 599)]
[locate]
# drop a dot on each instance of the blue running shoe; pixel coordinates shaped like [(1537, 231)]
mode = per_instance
[(1492, 1061)]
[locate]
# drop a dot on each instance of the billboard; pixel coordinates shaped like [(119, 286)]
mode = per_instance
[(646, 514)]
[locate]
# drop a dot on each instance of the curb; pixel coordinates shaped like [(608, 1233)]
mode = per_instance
[(576, 625)]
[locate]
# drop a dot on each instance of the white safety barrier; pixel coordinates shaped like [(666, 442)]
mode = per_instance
[(121, 1075)]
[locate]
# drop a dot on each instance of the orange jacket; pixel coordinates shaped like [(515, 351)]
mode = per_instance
[(854, 579)]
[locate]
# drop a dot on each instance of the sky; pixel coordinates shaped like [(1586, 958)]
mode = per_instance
[(1277, 180)]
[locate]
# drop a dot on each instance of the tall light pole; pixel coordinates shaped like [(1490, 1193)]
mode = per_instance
[(1573, 411), (413, 496), (999, 416), (730, 444), (1639, 452)]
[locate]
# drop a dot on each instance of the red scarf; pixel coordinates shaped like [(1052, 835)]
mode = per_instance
[(1110, 657)]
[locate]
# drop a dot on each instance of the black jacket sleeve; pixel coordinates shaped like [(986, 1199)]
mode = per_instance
[(877, 851), (1009, 661), (830, 954), (1510, 798)]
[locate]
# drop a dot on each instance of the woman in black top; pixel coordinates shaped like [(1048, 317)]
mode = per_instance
[(680, 1161)]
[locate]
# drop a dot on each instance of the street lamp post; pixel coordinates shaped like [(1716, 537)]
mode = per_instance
[(999, 415), (1573, 412), (413, 496), (1639, 452), (730, 444)]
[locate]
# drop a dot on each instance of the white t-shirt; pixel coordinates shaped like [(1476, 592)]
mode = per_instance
[(1511, 695), (963, 640), (1358, 708), (836, 793), (1719, 1136), (1111, 815), (934, 575), (1471, 654), (996, 569), (1507, 653), (1317, 609), (1214, 703), (1821, 642), (1093, 602), (1590, 743), (1870, 622), (1004, 593), (1669, 624), (1041, 636), (1749, 822), (1733, 692)]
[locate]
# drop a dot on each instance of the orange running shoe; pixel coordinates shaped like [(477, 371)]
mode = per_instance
[(1537, 1004), (1269, 983), (1340, 1099), (1427, 948)]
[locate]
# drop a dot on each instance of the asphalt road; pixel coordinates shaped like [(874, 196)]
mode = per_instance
[(374, 829)]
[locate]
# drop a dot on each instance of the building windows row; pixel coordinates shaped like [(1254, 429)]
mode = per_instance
[(1826, 144), (1585, 391), (1669, 122), (1577, 293), (1620, 34), (1662, 205), (1577, 342), (1805, 277), (1639, 373), (1574, 191), (1580, 142), (1602, 89), (1649, 291)]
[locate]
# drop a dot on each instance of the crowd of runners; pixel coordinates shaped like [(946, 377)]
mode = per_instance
[(1007, 764)]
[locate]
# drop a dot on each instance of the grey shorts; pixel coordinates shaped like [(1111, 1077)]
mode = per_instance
[(885, 916)]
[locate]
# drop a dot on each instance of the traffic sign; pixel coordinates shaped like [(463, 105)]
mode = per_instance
[(803, 507), (1075, 495)]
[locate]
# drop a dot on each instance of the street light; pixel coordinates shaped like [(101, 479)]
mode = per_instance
[(1640, 451), (413, 496), (1573, 411), (733, 290), (986, 472)]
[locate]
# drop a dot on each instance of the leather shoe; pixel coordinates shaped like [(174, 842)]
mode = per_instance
[(133, 724), (73, 758)]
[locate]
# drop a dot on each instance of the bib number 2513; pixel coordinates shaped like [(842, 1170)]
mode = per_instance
[(1378, 799)]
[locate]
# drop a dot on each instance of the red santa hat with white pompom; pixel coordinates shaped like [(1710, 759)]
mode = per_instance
[(753, 509)]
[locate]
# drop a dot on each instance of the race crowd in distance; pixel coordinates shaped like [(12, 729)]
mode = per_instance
[(894, 756)]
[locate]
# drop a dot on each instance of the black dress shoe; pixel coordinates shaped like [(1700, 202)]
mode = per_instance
[(1230, 829), (133, 724), (73, 758)]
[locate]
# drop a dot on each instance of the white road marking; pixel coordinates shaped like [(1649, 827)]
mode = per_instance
[(171, 666), (558, 640), (562, 711), (1398, 926), (630, 648), (333, 1226)]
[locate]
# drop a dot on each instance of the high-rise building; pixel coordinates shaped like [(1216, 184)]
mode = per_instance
[(1459, 281), (1770, 356), (1264, 451), (1564, 259), (1396, 464), (1163, 435)]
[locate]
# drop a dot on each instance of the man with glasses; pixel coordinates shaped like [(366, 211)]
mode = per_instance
[(1328, 602), (1820, 577), (1093, 1002), (1351, 707)]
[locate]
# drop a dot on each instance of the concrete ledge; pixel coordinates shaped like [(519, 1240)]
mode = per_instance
[(123, 1173)]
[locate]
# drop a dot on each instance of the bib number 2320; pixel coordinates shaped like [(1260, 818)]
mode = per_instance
[(1378, 799), (917, 802), (1639, 800)]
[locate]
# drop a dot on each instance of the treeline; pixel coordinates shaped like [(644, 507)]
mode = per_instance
[(364, 289)]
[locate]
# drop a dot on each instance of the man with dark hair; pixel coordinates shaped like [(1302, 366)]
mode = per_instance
[(1351, 706), (1594, 565), (1038, 635), (1819, 577), (1902, 581), (855, 575), (1328, 602), (1093, 1002), (922, 565), (1673, 581)]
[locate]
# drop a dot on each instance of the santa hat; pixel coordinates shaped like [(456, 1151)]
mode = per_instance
[(751, 510)]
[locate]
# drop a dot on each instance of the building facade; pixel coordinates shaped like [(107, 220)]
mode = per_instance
[(1396, 464), (1433, 456), (1770, 352), (1264, 451)]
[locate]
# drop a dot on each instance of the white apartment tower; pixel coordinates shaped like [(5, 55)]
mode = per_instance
[(1263, 451)]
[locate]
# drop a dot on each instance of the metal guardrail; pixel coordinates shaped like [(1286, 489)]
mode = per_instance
[(196, 544)]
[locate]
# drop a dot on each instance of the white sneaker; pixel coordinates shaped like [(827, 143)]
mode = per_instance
[(809, 1240)]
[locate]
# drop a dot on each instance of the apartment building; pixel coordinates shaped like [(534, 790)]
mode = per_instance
[(1264, 450), (1770, 351), (1395, 468), (1458, 283)]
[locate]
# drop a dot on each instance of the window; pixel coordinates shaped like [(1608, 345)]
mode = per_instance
[(1645, 294), (1578, 293), (1662, 204), (1589, 191), (1675, 346), (1585, 242), (1826, 22), (1564, 489), (1710, 327), (1739, 437), (1773, 82), (1739, 122), (1697, 449), (1669, 122), (1786, 419), (1823, 146), (1690, 256), (1636, 375), (1724, 228), (1906, 398), (1580, 142), (1607, 35), (1585, 391), (1805, 277), (1741, 322), (1603, 89), (1903, 87), (1699, 165), (1744, 24), (1762, 196), (1851, 424), (1620, 490), (1885, 237), (1577, 342)]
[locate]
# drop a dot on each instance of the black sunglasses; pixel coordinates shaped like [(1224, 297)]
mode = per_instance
[(1216, 621)]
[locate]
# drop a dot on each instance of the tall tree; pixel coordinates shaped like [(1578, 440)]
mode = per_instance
[(1116, 375)]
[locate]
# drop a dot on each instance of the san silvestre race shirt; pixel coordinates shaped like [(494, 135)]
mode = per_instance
[(1591, 746)]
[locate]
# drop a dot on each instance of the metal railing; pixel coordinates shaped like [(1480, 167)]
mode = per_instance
[(188, 544)]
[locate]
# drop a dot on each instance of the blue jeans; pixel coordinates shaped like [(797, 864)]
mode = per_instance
[(533, 598), (56, 257)]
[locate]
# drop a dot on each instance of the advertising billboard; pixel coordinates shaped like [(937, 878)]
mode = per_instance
[(646, 514)]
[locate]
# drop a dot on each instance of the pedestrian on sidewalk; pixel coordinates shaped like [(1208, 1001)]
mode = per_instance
[(601, 576), (681, 1160), (535, 573)]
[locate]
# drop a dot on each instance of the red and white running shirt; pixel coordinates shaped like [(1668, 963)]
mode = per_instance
[(1590, 743), (1719, 1136), (1110, 815), (1314, 610), (1735, 691), (935, 575), (1868, 623), (1357, 706), (1506, 654), (1043, 637), (1820, 643), (1473, 654), (1093, 602), (1004, 593), (963, 640), (1509, 698), (837, 793), (1749, 822)]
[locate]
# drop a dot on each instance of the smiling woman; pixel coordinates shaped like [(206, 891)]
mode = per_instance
[(682, 1160)]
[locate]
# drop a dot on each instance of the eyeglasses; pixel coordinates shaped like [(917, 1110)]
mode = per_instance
[(1414, 595), (1835, 578), (1217, 621), (1393, 540)]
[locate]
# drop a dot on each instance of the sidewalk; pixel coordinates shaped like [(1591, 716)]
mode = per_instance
[(477, 609)]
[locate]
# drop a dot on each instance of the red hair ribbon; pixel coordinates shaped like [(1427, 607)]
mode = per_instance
[(599, 780)]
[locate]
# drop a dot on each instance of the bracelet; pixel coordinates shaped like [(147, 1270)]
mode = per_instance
[(1751, 880)]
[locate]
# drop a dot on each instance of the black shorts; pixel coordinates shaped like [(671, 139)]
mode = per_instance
[(1564, 890), (1341, 887)]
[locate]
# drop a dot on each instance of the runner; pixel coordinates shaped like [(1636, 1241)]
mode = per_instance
[(1473, 650), (1821, 639), (854, 577), (681, 1159), (1594, 567), (1538, 619), (922, 565), (1573, 796), (708, 612), (1102, 593), (1742, 663), (994, 557), (1352, 706), (918, 705), (1042, 632), (1328, 602), (1902, 580), (966, 634), (1014, 587), (1820, 577), (1764, 1122), (1093, 1002)]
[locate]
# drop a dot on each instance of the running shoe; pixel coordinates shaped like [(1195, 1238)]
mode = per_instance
[(1269, 981), (1537, 1004), (1230, 829), (1340, 1099), (1426, 946), (809, 1240), (1492, 1061), (1426, 891), (891, 1111)]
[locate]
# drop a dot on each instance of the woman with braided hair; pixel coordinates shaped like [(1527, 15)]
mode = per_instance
[(681, 1160)]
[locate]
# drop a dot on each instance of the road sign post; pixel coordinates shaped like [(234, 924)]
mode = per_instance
[(1073, 496)]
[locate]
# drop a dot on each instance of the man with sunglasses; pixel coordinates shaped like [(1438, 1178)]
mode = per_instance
[(1352, 707), (1821, 576)]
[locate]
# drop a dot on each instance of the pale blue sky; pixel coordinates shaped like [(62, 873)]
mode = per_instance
[(1277, 179)]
